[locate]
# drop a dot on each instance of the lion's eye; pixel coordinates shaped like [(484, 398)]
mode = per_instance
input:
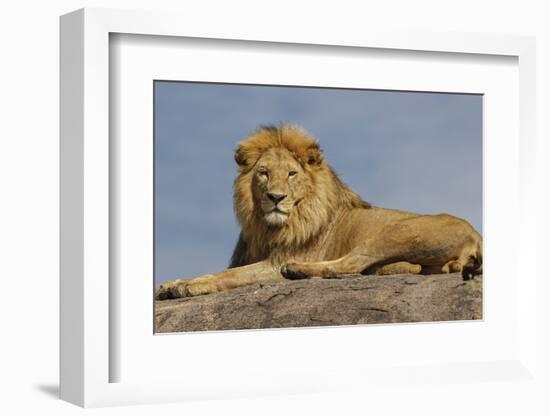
[(263, 173), (292, 173)]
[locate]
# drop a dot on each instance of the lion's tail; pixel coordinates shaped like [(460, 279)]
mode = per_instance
[(475, 265), (478, 260)]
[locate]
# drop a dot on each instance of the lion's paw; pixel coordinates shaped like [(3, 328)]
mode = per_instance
[(181, 288), (292, 271), (173, 290)]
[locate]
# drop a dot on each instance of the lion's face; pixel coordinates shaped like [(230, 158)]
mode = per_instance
[(285, 193), (279, 184)]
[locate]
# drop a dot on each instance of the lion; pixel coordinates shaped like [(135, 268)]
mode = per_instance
[(300, 221)]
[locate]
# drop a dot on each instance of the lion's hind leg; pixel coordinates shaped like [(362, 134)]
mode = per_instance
[(452, 266), (400, 267)]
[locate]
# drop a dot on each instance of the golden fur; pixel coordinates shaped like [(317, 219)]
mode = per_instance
[(317, 188), (299, 220)]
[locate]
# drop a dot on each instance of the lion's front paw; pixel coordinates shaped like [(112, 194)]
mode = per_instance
[(187, 288), (292, 271), (173, 290)]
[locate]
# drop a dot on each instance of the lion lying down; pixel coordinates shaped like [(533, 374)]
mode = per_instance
[(299, 221)]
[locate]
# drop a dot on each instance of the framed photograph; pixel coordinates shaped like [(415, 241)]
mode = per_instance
[(287, 196)]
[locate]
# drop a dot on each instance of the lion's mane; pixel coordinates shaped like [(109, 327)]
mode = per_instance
[(325, 197)]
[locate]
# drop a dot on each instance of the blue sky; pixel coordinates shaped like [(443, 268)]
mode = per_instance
[(408, 150)]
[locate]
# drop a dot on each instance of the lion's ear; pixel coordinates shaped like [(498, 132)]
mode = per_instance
[(314, 155), (241, 158)]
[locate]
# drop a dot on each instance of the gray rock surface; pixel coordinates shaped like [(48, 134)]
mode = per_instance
[(320, 302)]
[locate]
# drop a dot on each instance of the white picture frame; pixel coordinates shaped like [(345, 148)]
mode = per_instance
[(86, 303)]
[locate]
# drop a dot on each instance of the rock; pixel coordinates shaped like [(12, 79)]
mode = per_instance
[(319, 302)]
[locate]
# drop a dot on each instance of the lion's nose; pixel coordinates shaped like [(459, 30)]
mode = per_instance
[(276, 198)]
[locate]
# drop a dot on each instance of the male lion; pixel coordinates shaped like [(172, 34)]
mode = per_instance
[(298, 221)]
